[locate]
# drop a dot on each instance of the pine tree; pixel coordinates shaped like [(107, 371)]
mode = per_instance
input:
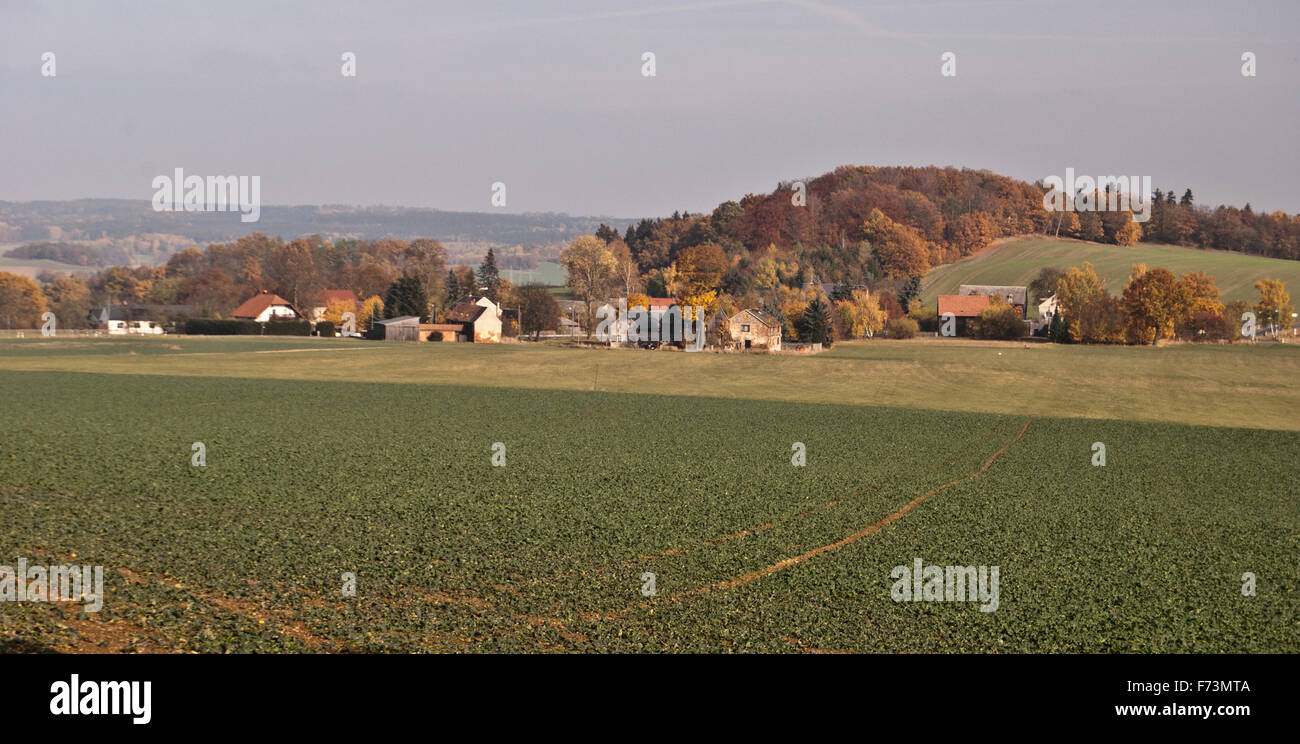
[(1055, 328), (406, 296), (489, 279), (815, 324), (909, 292), (453, 288), (1187, 198)]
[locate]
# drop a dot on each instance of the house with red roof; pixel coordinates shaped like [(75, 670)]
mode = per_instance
[(962, 307), (264, 307)]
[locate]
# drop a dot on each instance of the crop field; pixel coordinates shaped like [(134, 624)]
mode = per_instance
[(1018, 261), (311, 476)]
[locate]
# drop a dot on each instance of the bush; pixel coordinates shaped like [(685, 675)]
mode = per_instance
[(435, 335), (998, 320), (926, 317), (901, 328), (288, 328), (325, 328), (212, 327)]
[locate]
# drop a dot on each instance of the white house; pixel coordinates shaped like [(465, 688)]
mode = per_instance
[(265, 307)]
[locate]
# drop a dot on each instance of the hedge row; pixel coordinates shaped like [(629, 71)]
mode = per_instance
[(210, 327)]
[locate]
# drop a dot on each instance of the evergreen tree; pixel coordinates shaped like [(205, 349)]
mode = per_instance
[(489, 280), (453, 288), (606, 233), (1055, 328), (909, 292), (815, 324), (406, 296), (1187, 198)]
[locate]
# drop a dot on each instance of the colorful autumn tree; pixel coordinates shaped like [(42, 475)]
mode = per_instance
[(21, 301), (1154, 301)]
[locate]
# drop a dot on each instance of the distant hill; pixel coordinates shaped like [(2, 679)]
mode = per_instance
[(1017, 261), (129, 231)]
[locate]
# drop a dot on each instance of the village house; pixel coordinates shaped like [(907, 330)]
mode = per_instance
[(962, 308), (1015, 296), (480, 320), (1048, 307), (132, 318), (755, 329), (265, 307)]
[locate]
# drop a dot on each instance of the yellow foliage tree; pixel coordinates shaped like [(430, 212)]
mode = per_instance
[(21, 301), (1274, 304), (372, 310)]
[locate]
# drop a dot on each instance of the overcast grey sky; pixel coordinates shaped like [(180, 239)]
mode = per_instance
[(548, 97)]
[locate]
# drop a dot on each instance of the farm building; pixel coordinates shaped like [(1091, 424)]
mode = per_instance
[(755, 329), (1047, 308), (448, 331), (122, 315), (344, 296), (1015, 296), (480, 319), (402, 328), (962, 307), (264, 307)]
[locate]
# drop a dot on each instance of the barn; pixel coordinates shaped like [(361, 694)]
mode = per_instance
[(1017, 297), (963, 308), (401, 328)]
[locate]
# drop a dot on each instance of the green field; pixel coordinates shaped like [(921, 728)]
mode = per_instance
[(326, 457), (1017, 261)]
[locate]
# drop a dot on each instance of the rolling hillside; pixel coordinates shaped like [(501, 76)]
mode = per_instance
[(1017, 261)]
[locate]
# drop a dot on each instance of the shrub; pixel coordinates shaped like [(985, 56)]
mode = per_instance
[(325, 328), (998, 320), (213, 327), (901, 328), (926, 317), (435, 335), (288, 328)]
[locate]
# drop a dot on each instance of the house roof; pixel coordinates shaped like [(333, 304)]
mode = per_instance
[(465, 312), (662, 302), (1016, 294), (401, 319), (254, 306), (456, 327), (130, 312), (963, 306), (766, 319)]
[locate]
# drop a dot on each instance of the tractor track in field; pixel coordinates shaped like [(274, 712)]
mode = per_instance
[(755, 575), (743, 533)]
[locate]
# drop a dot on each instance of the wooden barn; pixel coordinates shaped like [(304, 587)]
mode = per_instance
[(402, 328)]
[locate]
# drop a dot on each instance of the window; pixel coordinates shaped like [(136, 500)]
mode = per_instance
[(744, 328)]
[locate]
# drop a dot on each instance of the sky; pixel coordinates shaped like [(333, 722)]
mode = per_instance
[(549, 97)]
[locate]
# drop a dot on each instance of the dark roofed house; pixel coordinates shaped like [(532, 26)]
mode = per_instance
[(480, 318), (100, 316)]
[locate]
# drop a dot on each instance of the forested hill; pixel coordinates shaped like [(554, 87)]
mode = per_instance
[(860, 224)]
